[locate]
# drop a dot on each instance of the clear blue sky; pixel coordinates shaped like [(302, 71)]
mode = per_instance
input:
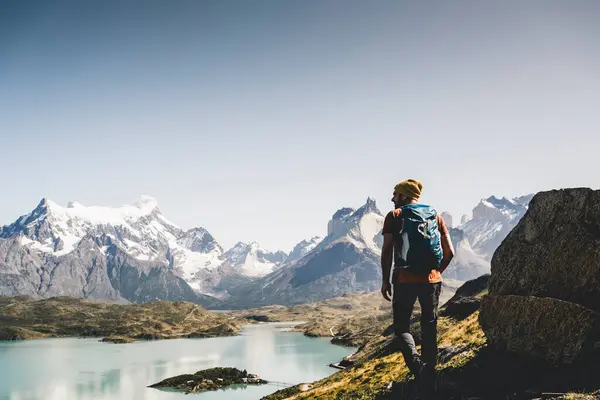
[(258, 120)]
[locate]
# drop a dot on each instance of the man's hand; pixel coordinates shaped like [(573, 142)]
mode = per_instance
[(386, 291)]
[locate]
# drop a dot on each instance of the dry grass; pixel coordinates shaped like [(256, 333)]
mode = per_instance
[(370, 379), (581, 396)]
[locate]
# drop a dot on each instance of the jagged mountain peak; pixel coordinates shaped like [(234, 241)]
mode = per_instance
[(314, 239), (303, 248), (253, 260), (44, 208), (199, 240), (504, 202), (140, 237), (494, 208), (347, 259), (370, 206), (242, 247), (493, 218), (343, 213), (44, 203), (360, 227), (140, 228), (501, 203), (239, 249), (145, 206)]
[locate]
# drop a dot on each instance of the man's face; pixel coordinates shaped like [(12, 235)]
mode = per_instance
[(399, 200)]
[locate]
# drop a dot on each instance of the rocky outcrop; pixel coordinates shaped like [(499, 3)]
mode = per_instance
[(554, 251), (467, 298), (544, 295), (210, 379), (117, 339), (552, 330)]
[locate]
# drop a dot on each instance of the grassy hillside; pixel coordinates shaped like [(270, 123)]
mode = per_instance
[(25, 318), (467, 367)]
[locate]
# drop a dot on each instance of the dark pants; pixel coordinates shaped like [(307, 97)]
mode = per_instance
[(405, 295)]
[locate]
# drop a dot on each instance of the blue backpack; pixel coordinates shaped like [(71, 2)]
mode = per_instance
[(417, 244)]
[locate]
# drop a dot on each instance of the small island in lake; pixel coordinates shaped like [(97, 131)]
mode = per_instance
[(209, 379)]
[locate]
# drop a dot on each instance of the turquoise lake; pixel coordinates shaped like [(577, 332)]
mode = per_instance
[(82, 369)]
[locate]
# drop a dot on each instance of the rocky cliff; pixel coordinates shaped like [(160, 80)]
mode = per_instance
[(544, 296)]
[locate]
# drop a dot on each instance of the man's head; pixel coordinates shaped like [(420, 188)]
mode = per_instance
[(407, 192)]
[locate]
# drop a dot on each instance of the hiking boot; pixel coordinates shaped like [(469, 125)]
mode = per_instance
[(426, 382), (416, 366)]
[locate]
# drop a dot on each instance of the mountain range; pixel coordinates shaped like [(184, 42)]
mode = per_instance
[(135, 254), (477, 238)]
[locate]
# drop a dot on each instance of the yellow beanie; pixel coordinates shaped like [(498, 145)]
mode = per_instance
[(410, 188)]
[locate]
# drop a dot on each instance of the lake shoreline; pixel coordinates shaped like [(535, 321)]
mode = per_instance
[(286, 326), (264, 349), (65, 317)]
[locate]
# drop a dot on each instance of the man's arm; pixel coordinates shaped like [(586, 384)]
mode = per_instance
[(447, 248), (387, 253)]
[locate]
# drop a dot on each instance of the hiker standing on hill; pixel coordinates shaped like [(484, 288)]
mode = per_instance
[(416, 238)]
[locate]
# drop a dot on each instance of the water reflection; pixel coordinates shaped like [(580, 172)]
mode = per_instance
[(82, 369)]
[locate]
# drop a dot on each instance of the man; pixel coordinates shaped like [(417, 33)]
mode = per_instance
[(422, 280)]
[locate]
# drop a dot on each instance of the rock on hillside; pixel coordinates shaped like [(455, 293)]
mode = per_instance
[(209, 379), (467, 298), (544, 296)]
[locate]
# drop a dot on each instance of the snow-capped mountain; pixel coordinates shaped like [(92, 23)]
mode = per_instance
[(360, 227), (140, 230), (136, 236), (346, 260), (239, 265), (251, 260), (133, 253), (477, 238), (493, 219), (466, 264), (303, 248)]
